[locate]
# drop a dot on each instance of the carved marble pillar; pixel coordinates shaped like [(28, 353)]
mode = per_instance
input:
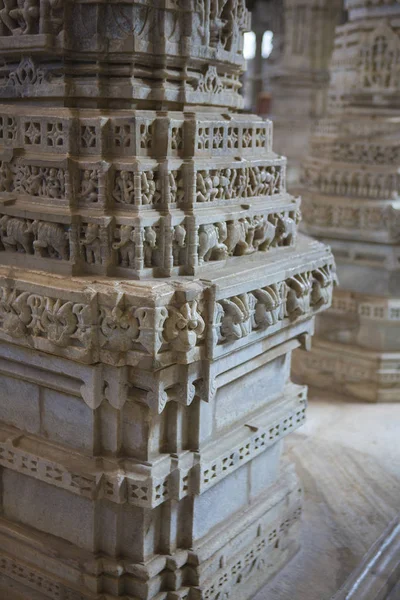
[(299, 81), (152, 289), (352, 178)]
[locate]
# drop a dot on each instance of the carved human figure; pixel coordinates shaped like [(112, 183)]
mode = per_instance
[(91, 244), (206, 190), (149, 245), (52, 238), (126, 246), (150, 188), (176, 187), (124, 190), (6, 177), (178, 242), (211, 242), (34, 181), (21, 16), (225, 185), (239, 183), (275, 181), (15, 234), (89, 186), (254, 182), (54, 184)]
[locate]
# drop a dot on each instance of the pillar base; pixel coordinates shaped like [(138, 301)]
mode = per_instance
[(235, 560), (350, 370)]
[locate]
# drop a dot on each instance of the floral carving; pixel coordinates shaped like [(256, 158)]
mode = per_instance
[(299, 295), (23, 314), (118, 326), (15, 314), (184, 327), (237, 317), (28, 73), (323, 282), (210, 82), (270, 307)]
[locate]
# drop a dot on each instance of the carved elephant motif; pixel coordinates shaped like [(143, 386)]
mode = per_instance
[(238, 234), (16, 234), (286, 231), (51, 237), (264, 234), (211, 242)]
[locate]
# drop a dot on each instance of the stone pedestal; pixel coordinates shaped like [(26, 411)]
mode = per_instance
[(299, 81), (353, 177), (152, 290)]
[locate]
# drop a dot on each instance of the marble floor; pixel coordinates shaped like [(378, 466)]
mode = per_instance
[(348, 457)]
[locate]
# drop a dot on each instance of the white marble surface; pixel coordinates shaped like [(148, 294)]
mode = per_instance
[(348, 457)]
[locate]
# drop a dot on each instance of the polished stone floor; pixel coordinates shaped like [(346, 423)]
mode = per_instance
[(348, 457)]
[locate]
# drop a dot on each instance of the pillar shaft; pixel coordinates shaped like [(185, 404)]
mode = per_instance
[(152, 290)]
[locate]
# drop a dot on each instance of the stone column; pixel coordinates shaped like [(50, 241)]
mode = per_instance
[(299, 81), (152, 290), (352, 178)]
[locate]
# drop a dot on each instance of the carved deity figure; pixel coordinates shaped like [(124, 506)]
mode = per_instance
[(150, 188), (89, 186), (126, 246), (124, 190), (20, 16)]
